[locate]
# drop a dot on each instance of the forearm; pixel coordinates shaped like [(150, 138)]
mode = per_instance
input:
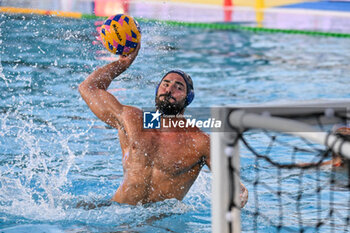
[(102, 77), (94, 91)]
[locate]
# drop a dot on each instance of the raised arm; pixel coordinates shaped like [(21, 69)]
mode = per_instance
[(94, 90)]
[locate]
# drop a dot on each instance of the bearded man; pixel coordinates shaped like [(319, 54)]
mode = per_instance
[(161, 163)]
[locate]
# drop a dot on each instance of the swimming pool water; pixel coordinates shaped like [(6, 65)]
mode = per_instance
[(55, 153)]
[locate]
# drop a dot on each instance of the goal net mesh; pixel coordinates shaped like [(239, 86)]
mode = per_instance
[(291, 189)]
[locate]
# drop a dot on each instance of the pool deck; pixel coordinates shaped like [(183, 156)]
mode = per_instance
[(332, 16), (324, 16), (321, 5), (279, 14)]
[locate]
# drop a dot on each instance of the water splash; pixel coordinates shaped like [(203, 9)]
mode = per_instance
[(34, 180), (2, 76), (55, 154)]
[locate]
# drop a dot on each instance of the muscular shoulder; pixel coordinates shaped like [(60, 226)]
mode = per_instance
[(131, 118), (205, 143), (202, 142), (203, 138), (204, 147), (128, 121), (131, 112)]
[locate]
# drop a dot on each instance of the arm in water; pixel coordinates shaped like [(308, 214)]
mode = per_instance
[(94, 90)]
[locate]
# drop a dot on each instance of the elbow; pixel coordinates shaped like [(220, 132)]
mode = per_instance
[(86, 90), (82, 88)]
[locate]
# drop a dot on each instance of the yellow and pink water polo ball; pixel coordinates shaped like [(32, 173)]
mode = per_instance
[(120, 34)]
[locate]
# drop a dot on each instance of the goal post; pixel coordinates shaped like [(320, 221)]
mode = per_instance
[(224, 152), (301, 119)]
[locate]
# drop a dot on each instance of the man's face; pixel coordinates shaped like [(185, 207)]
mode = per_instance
[(171, 96)]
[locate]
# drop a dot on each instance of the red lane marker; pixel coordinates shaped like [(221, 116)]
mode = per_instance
[(228, 12)]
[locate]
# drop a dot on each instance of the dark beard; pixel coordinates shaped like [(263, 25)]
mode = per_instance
[(167, 108)]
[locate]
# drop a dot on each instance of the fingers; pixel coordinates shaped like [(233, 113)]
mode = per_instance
[(127, 60), (136, 51), (138, 47), (133, 54)]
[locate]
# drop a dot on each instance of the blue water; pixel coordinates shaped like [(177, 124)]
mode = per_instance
[(55, 153)]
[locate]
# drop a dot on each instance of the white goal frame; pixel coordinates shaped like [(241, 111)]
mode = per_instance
[(276, 117)]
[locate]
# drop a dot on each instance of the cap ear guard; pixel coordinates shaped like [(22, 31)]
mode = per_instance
[(189, 97)]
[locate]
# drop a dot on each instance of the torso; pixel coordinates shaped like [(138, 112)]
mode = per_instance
[(159, 165)]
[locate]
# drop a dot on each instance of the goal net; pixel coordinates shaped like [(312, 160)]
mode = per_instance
[(283, 154)]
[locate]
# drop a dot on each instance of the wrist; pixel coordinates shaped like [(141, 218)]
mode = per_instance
[(116, 68)]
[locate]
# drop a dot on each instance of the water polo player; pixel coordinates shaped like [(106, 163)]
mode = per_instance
[(158, 164)]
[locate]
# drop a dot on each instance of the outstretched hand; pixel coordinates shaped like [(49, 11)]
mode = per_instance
[(127, 60)]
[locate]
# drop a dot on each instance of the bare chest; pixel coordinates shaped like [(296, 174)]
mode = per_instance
[(176, 153), (171, 153)]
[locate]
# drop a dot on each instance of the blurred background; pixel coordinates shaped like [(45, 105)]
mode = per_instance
[(325, 15)]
